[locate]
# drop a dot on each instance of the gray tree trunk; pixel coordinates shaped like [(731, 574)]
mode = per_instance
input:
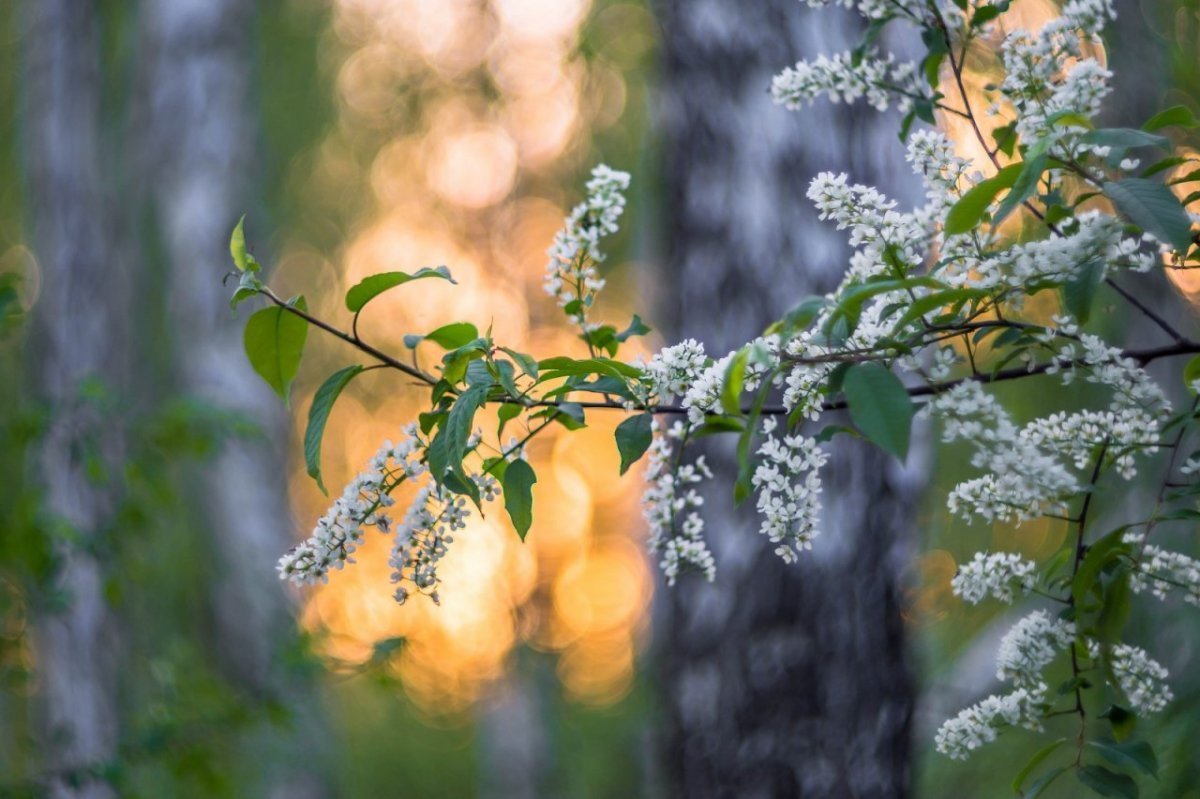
[(201, 127), (778, 680), (78, 335), (512, 737)]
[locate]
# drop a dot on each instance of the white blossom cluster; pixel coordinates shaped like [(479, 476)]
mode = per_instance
[(675, 369), (1024, 481), (1047, 76), (670, 506), (362, 504), (980, 723), (1000, 575), (1025, 651), (571, 273), (789, 490), (882, 81), (704, 386), (427, 531), (1030, 646), (1142, 679), (931, 155), (875, 9), (1160, 570)]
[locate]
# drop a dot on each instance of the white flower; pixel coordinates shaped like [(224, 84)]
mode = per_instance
[(1030, 646), (571, 272), (881, 81), (426, 533), (670, 506), (1142, 679), (673, 371), (1000, 575), (362, 504), (980, 723), (789, 490), (1160, 570)]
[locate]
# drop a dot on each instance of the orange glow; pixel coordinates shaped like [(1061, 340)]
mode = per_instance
[(447, 162), (1187, 281), (982, 68)]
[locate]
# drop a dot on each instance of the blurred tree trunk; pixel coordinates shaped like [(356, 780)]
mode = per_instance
[(78, 339), (200, 128), (778, 680), (512, 736)]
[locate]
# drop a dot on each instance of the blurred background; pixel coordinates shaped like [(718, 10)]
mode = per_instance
[(150, 482)]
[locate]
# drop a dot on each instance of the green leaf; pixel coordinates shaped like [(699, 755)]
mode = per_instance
[(799, 317), (570, 414), (1034, 762), (506, 375), (742, 486), (967, 213), (448, 337), (588, 366), (449, 446), (880, 406), (1191, 372), (1079, 291), (633, 439), (318, 415), (371, 287), (527, 362), (1114, 613), (1123, 722), (1025, 184), (938, 299), (1153, 207), (243, 260), (274, 342), (1131, 755), (1043, 782), (1179, 115), (636, 328), (735, 380), (507, 412), (984, 15), (1098, 555), (496, 466), (519, 478), (1123, 139), (1108, 783), (850, 302)]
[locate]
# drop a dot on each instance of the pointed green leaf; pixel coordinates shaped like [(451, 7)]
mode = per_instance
[(448, 337), (1108, 783), (1131, 755), (371, 287), (506, 413), (237, 245), (519, 478), (1034, 762), (1043, 782), (735, 380), (274, 342), (967, 213), (1151, 206), (633, 439), (1025, 184), (318, 415), (449, 446), (1179, 115), (880, 406)]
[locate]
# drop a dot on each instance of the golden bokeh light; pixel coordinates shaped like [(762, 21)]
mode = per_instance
[(459, 126)]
